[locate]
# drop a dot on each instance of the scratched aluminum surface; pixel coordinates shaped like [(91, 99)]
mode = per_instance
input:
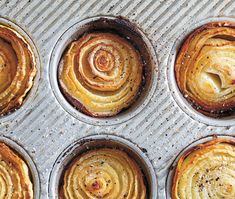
[(45, 129)]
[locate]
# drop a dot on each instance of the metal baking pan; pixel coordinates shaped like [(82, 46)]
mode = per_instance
[(160, 125)]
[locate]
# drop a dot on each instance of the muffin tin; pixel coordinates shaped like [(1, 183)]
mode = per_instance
[(50, 130)]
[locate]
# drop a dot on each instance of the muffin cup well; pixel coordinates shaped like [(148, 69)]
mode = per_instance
[(102, 141), (171, 172), (33, 172), (27, 102), (125, 29), (180, 100)]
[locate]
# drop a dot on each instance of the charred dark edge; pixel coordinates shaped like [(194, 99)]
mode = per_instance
[(216, 113), (76, 104)]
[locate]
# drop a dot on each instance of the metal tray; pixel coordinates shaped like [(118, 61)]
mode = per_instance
[(162, 127)]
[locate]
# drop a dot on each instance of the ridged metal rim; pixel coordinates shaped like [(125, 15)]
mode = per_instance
[(32, 92), (59, 48), (31, 165), (175, 92), (171, 172), (91, 142)]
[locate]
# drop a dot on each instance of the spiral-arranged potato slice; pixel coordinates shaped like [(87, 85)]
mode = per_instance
[(206, 171), (15, 182), (103, 173), (17, 69), (100, 74), (205, 69)]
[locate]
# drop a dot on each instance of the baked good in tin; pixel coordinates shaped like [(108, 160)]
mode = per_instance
[(103, 173), (206, 171), (17, 69), (15, 182), (100, 74), (204, 69)]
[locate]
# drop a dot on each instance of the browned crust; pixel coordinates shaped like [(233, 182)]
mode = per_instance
[(76, 104), (217, 110), (188, 152), (133, 162)]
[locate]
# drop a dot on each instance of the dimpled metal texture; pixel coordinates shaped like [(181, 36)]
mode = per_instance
[(162, 128)]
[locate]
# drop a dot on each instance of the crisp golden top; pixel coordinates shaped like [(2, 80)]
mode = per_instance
[(17, 69), (100, 74), (103, 173), (15, 182), (206, 171), (205, 69)]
